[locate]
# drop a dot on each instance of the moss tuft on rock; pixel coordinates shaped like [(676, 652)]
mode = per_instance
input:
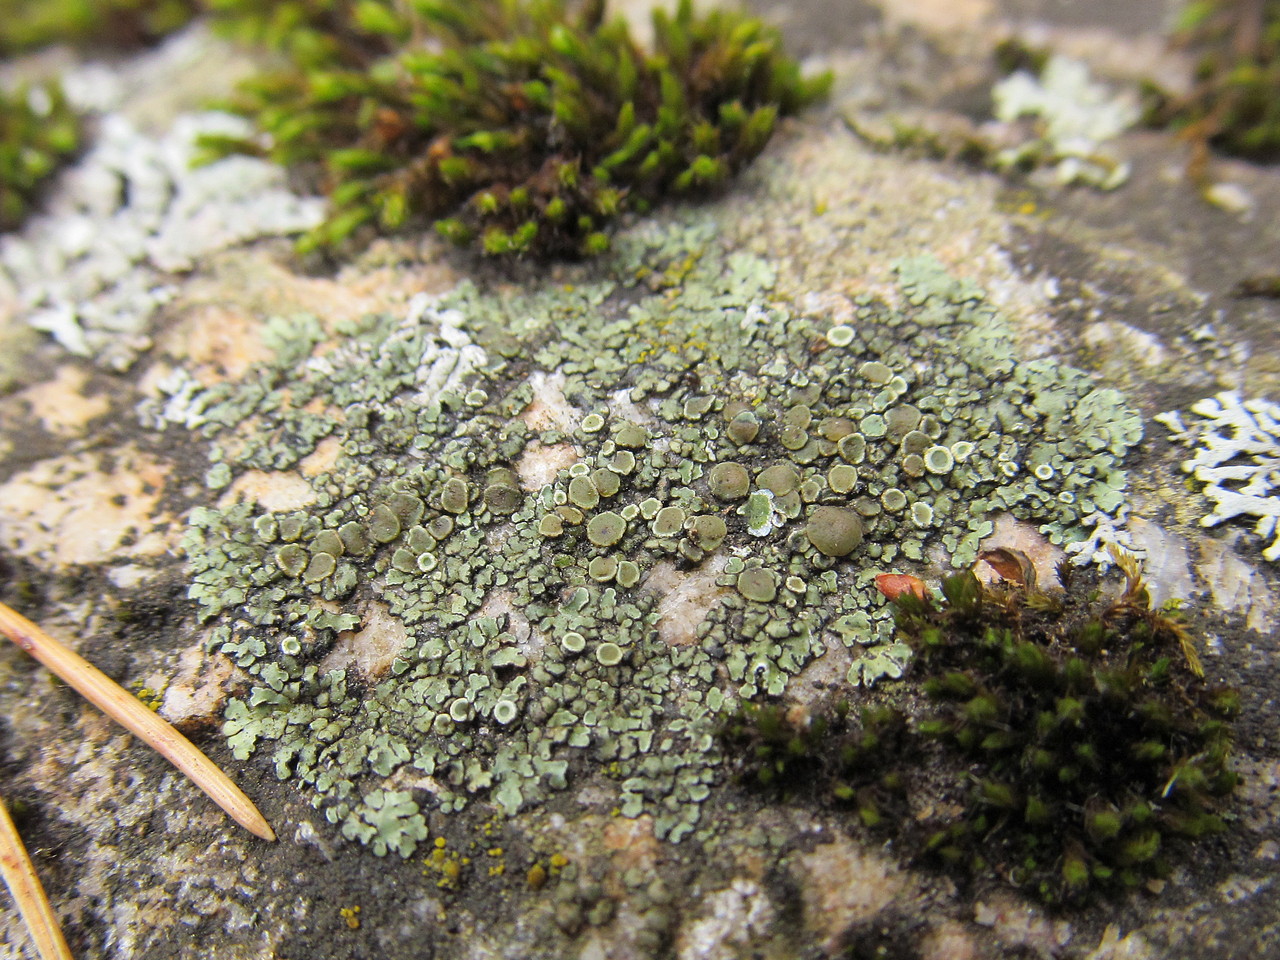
[(517, 127), (1074, 738), (29, 24)]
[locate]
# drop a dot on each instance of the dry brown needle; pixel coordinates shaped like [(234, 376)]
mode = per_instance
[(20, 876), (124, 708)]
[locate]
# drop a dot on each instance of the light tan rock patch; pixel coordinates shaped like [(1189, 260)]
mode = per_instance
[(221, 341), (60, 404), (685, 598), (277, 491), (1014, 534), (372, 648), (87, 508), (538, 465), (844, 885), (549, 410), (323, 459), (197, 692), (1236, 586), (940, 16)]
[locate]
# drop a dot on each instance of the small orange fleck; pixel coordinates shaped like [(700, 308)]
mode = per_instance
[(894, 585)]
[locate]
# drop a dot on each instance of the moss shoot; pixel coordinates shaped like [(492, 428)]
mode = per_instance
[(517, 127), (29, 24)]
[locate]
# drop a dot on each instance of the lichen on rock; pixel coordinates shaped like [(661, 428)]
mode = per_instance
[(535, 646), (1236, 453)]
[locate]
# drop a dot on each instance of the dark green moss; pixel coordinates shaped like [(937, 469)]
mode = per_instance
[(1089, 738), (856, 763), (1072, 730), (517, 127), (38, 133), (1234, 102)]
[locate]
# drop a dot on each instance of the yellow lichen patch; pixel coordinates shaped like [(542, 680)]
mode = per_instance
[(151, 696), (370, 649), (536, 877), (445, 864), (351, 915), (275, 491), (685, 598), (60, 404), (87, 508)]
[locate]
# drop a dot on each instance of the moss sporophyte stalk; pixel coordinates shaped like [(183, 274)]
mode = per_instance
[(1071, 734), (525, 482), (517, 127)]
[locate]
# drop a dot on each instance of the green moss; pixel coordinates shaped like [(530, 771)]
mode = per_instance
[(1234, 102), (1093, 738), (28, 24), (518, 127), (1081, 746), (38, 133)]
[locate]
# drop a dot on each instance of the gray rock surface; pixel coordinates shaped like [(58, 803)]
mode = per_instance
[(120, 471)]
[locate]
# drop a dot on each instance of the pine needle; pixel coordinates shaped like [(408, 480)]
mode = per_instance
[(20, 876), (124, 708)]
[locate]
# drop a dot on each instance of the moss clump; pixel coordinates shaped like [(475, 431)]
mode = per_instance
[(1088, 735), (28, 24), (1073, 733), (38, 132), (1234, 102), (856, 763), (518, 127)]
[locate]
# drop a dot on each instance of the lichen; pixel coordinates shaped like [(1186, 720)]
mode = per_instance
[(1077, 118), (92, 268), (1236, 454), (541, 644)]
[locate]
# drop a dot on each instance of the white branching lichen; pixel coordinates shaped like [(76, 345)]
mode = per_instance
[(1236, 454), (1107, 534)]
